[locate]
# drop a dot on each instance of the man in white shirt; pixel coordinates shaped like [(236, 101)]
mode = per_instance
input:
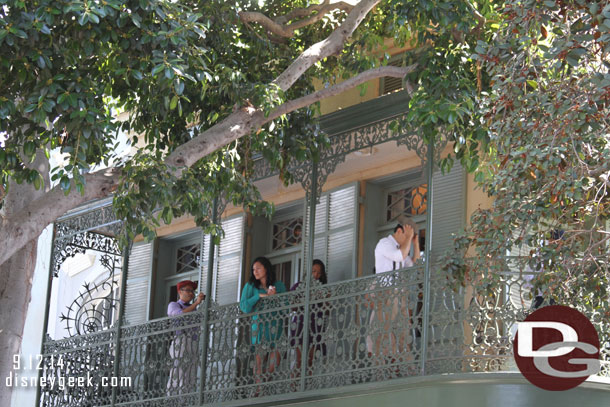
[(392, 251), (391, 313)]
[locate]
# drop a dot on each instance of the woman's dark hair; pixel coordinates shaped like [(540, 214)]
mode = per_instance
[(323, 278), (270, 273)]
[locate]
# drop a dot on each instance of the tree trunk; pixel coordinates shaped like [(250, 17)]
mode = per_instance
[(16, 275), (15, 292)]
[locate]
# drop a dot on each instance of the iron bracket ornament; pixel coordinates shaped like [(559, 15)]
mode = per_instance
[(395, 128)]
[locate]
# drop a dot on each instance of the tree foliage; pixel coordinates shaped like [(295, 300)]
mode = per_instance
[(181, 71), (547, 162)]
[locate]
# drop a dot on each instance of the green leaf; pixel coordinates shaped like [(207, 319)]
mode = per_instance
[(136, 19), (48, 105), (173, 103), (38, 181), (83, 19), (64, 183), (179, 87), (29, 148), (21, 34), (157, 69)]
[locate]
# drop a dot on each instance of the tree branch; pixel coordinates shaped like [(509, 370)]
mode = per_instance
[(28, 222), (291, 106), (322, 11), (604, 168), (246, 119), (278, 25), (327, 47), (480, 18), (270, 25)]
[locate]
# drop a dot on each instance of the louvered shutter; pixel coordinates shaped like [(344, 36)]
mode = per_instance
[(390, 84), (336, 227), (203, 267), (228, 264), (137, 289), (446, 335), (449, 208)]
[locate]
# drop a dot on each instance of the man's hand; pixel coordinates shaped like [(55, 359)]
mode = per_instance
[(199, 298), (408, 234)]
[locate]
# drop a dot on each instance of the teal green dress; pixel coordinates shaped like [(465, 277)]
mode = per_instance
[(269, 330)]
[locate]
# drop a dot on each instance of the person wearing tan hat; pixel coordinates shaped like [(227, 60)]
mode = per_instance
[(184, 348), (391, 309)]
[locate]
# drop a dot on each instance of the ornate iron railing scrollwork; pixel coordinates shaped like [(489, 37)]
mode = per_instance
[(365, 330), (95, 307)]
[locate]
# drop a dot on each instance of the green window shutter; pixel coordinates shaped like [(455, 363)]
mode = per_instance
[(336, 231), (228, 264), (203, 266), (448, 208), (446, 335), (137, 289)]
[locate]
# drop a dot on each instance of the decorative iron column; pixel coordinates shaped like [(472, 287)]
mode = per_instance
[(45, 326), (117, 343), (427, 254), (313, 197), (203, 351)]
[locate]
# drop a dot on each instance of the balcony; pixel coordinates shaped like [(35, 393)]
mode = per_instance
[(370, 338)]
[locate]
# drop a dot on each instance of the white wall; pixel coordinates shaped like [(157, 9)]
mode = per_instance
[(34, 322)]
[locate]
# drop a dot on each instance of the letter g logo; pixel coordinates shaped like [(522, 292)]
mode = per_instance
[(548, 351)]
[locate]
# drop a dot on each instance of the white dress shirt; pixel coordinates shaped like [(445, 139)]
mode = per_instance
[(388, 256)]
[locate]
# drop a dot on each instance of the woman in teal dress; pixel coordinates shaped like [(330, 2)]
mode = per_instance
[(267, 327)]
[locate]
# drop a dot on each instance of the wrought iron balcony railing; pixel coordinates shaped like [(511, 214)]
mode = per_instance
[(373, 329)]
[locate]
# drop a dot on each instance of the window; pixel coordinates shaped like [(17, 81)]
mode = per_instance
[(387, 198), (388, 84), (287, 233), (281, 241), (408, 201), (188, 257)]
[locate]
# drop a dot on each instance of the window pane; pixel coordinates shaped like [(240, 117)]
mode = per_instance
[(408, 201), (287, 233), (187, 258)]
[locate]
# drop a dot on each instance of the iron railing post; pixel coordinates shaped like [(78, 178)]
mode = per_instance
[(117, 343), (428, 259), (203, 351), (307, 271)]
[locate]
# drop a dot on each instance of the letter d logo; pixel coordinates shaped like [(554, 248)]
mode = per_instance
[(526, 329)]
